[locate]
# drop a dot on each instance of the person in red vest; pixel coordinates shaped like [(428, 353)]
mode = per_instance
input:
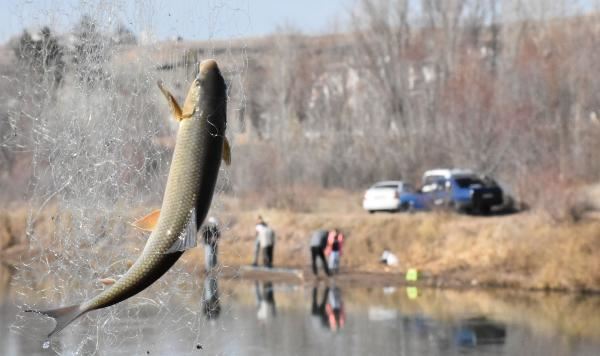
[(335, 241)]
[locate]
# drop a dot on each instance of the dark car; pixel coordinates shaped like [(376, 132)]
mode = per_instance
[(460, 190)]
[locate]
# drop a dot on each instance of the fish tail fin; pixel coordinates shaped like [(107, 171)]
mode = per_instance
[(63, 316)]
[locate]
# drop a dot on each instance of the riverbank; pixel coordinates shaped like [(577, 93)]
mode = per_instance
[(522, 251)]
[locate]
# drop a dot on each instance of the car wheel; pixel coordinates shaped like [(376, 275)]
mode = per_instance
[(458, 208)]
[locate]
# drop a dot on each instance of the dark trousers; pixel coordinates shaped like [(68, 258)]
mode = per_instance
[(268, 256), (318, 252)]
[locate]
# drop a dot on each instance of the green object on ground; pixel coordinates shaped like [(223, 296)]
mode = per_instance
[(412, 292), (412, 275)]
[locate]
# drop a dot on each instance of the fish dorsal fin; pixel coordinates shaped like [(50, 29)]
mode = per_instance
[(187, 239), (226, 151), (148, 222)]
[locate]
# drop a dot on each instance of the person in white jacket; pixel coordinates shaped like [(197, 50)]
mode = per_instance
[(265, 242)]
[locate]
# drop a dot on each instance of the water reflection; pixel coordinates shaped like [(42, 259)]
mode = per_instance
[(329, 309), (479, 331), (482, 335), (211, 305), (265, 301), (318, 310), (335, 309), (245, 319)]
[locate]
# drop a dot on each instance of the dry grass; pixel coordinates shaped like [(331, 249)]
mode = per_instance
[(528, 250), (531, 250)]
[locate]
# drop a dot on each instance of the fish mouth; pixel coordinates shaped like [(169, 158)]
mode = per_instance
[(210, 79), (207, 66)]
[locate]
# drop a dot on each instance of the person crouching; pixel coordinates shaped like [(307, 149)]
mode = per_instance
[(318, 244)]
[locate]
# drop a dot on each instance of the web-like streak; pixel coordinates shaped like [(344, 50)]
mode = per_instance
[(101, 142)]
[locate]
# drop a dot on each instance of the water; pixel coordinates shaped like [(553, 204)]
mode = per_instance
[(237, 317)]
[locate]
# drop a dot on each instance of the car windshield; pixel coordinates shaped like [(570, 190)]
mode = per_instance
[(433, 180), (466, 182)]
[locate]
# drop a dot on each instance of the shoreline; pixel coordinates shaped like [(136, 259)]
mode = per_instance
[(366, 279), (527, 251)]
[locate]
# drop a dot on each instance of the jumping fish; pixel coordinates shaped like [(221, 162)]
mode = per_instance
[(200, 145)]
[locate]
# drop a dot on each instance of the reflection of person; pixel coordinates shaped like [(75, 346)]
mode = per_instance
[(265, 242), (318, 243), (330, 310), (335, 309), (335, 240), (211, 306), (318, 309), (210, 237), (265, 301)]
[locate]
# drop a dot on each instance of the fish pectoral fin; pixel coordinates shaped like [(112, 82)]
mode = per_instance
[(148, 222), (108, 281), (226, 151), (187, 239), (188, 111), (173, 105)]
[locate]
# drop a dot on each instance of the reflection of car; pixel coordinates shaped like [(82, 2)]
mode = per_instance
[(385, 196), (480, 331), (461, 190)]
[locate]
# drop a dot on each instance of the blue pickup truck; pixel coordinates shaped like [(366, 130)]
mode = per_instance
[(461, 190)]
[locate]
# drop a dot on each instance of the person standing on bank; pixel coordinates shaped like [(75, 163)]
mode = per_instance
[(210, 237), (265, 242), (318, 244)]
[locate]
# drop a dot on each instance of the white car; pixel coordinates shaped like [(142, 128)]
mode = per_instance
[(385, 196)]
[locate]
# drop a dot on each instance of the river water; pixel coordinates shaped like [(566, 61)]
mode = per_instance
[(237, 317)]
